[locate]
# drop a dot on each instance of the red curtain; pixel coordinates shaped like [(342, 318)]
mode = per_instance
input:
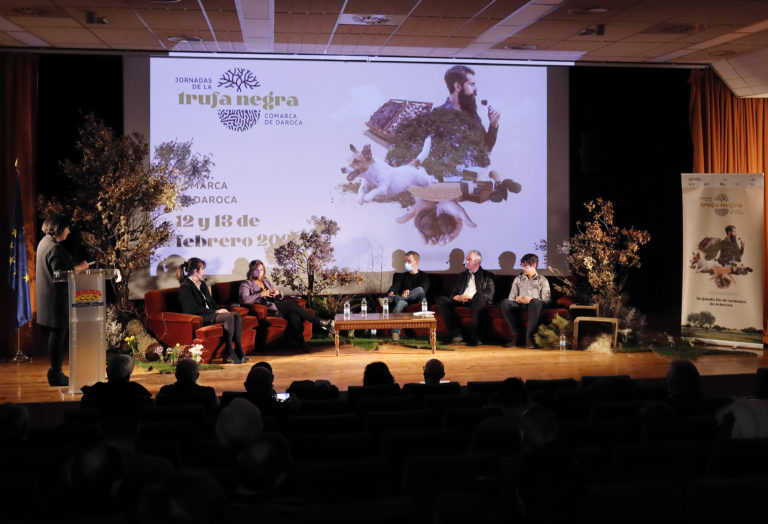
[(730, 136), (18, 136)]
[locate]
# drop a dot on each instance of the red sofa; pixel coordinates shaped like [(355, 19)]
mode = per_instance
[(494, 328), (271, 329), (166, 322)]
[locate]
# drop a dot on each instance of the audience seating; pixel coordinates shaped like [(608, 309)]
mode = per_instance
[(408, 456), (271, 329), (165, 320)]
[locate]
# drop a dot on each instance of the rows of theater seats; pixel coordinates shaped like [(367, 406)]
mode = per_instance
[(378, 454)]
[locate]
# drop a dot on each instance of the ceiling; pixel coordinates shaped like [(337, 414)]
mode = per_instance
[(731, 35)]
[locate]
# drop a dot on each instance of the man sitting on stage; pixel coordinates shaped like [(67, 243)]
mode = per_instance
[(409, 287), (529, 291), (474, 289)]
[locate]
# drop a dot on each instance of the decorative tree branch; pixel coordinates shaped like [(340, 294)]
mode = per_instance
[(304, 264), (600, 256), (118, 196)]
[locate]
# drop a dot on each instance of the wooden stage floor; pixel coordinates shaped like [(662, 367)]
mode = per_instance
[(26, 383)]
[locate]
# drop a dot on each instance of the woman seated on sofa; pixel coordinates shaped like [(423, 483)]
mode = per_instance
[(257, 289), (195, 299)]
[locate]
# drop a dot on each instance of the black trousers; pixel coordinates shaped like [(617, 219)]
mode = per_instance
[(233, 332), (58, 345), (295, 314), (513, 314), (447, 308)]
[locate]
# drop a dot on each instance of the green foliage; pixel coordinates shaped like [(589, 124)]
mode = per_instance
[(702, 319), (548, 336), (304, 263), (600, 256), (457, 138), (118, 196)]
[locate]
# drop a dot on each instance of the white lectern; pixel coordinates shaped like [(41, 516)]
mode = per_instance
[(87, 325)]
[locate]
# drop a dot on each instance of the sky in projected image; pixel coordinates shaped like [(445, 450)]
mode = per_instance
[(277, 165)]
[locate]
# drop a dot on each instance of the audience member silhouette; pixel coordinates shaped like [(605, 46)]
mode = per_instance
[(434, 371), (313, 390), (548, 483), (683, 380), (118, 388), (14, 422), (259, 390), (186, 390), (265, 469), (238, 423), (189, 497), (377, 374), (504, 430)]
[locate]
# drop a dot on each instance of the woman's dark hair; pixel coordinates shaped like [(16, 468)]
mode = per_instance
[(188, 267), (253, 265), (377, 374), (55, 225)]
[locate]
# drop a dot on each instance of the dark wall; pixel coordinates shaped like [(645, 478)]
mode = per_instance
[(630, 140), (70, 87)]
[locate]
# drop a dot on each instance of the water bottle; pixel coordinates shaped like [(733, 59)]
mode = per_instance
[(346, 310), (385, 307), (424, 306), (364, 308), (562, 341)]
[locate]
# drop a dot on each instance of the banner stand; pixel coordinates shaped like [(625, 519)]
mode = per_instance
[(722, 299)]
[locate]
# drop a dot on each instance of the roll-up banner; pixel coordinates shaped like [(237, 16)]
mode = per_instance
[(722, 300)]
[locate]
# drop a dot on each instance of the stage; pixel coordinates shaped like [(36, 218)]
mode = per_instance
[(723, 373)]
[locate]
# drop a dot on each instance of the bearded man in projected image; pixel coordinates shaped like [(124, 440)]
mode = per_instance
[(462, 86)]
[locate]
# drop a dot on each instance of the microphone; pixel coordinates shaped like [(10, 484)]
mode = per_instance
[(484, 102)]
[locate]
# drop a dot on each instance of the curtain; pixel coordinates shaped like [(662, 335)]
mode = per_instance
[(18, 136), (730, 135)]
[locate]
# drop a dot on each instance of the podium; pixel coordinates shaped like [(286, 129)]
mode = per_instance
[(87, 325)]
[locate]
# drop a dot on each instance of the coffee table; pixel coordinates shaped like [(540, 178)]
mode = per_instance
[(392, 320)]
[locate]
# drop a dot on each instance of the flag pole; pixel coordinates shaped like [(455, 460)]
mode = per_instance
[(18, 277), (20, 357)]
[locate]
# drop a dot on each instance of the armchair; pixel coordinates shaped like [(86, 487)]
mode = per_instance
[(271, 329), (170, 326)]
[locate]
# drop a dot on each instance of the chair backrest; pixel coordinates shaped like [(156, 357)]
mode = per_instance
[(227, 293), (420, 390), (161, 300)]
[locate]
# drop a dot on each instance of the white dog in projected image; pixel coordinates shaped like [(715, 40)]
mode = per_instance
[(380, 180)]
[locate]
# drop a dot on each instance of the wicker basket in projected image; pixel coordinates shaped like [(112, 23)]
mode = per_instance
[(386, 119)]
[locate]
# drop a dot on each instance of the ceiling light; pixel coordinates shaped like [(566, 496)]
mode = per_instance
[(588, 10), (521, 47), (184, 39), (597, 29), (369, 20)]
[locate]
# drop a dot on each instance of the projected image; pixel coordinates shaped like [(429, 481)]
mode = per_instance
[(401, 155), (438, 159)]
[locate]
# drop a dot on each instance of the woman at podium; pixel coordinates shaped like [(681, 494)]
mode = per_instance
[(196, 299), (52, 311)]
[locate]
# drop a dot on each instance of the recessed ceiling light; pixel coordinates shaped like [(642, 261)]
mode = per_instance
[(588, 10), (521, 47), (29, 11), (722, 52), (184, 39), (369, 19)]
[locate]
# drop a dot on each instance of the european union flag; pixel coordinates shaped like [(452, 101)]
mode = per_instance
[(18, 276)]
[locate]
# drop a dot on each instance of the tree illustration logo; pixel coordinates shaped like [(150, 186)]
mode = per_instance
[(239, 119)]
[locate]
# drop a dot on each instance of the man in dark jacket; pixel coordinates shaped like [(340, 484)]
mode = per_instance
[(474, 288), (409, 287)]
